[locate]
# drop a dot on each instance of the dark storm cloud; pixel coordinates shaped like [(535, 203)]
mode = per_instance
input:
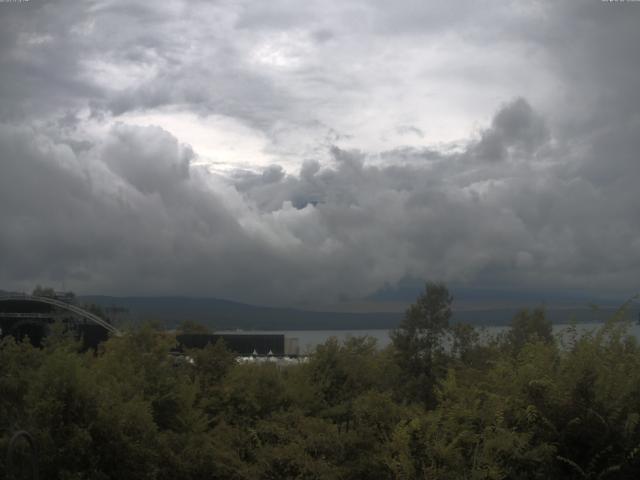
[(93, 217), (150, 159), (39, 60), (76, 219), (516, 129), (544, 192)]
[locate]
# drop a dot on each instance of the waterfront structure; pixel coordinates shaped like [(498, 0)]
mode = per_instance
[(23, 315)]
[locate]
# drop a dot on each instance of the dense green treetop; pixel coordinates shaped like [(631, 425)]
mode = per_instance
[(439, 403)]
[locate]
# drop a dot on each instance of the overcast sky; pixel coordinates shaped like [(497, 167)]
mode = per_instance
[(312, 152)]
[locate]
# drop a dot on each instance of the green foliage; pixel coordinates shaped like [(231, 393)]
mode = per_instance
[(189, 326), (528, 327), (523, 406), (418, 342)]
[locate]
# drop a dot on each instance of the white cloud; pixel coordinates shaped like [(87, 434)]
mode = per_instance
[(222, 142)]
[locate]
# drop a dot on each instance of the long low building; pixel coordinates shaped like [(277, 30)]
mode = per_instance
[(242, 344)]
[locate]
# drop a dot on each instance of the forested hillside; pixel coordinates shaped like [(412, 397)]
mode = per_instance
[(223, 314), (524, 405)]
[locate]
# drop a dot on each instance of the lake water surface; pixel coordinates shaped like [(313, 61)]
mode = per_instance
[(308, 340)]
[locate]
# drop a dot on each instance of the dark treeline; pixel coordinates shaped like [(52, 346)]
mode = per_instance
[(438, 403)]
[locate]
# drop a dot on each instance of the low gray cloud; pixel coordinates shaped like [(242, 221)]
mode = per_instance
[(515, 130), (539, 189), (94, 221), (410, 130), (148, 158)]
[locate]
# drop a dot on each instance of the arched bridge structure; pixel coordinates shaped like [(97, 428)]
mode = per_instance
[(42, 311)]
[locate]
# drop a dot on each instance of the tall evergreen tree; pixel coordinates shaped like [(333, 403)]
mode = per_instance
[(418, 341)]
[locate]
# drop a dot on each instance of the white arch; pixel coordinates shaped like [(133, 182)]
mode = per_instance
[(65, 306)]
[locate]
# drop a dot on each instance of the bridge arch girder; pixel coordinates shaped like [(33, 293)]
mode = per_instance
[(80, 312)]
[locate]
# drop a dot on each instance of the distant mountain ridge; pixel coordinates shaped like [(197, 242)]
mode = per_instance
[(228, 315), (221, 314)]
